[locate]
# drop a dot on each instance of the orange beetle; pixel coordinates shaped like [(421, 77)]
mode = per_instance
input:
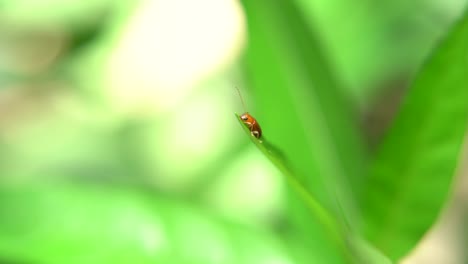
[(252, 124), (249, 120)]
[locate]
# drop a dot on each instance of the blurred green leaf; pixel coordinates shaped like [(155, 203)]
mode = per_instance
[(301, 107), (414, 168), (355, 46), (364, 252), (94, 224), (302, 110), (375, 42), (359, 250)]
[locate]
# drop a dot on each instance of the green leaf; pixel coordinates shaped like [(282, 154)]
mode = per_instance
[(358, 250), (413, 171), (364, 252), (301, 107), (366, 48), (275, 156), (303, 110), (94, 224)]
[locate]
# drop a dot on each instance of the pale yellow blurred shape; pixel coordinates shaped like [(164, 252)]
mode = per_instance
[(168, 47), (189, 140), (445, 242), (450, 8), (250, 190), (440, 244)]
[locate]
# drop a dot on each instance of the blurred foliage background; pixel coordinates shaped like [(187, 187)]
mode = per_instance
[(118, 142)]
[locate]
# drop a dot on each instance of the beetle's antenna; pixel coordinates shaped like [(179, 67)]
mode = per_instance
[(242, 99)]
